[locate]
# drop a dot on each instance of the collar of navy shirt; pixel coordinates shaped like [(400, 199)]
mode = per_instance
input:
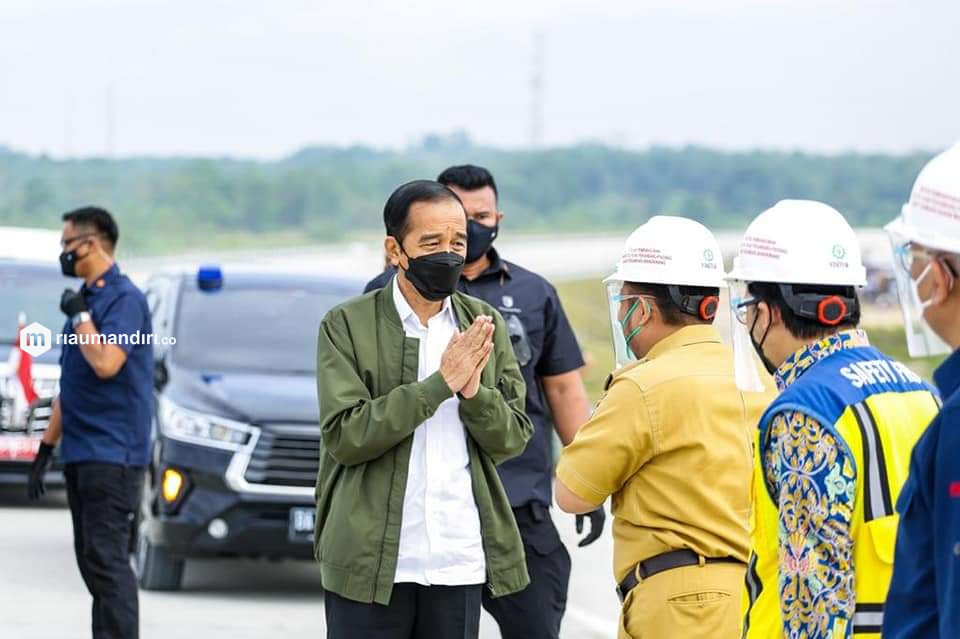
[(947, 375), (497, 267), (109, 276)]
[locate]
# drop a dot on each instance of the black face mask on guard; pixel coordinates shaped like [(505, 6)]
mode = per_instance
[(68, 262), (480, 238), (435, 275)]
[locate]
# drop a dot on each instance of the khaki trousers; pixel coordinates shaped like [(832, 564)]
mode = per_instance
[(692, 602)]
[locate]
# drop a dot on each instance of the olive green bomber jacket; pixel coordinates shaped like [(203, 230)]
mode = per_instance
[(370, 404)]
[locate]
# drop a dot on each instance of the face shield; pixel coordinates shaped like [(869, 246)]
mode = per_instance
[(911, 266), (746, 364), (622, 308)]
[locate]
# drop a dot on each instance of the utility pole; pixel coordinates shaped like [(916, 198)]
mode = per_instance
[(536, 92), (109, 121), (67, 124)]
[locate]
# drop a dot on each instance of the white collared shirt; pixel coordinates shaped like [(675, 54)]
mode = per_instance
[(440, 541)]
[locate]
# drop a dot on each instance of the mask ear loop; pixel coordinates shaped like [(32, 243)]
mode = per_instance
[(77, 258), (924, 304), (403, 252), (623, 322), (951, 279), (949, 270), (758, 346)]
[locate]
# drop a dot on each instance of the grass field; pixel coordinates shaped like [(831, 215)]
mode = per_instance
[(585, 302)]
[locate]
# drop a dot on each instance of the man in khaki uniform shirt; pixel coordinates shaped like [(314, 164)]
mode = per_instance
[(670, 441)]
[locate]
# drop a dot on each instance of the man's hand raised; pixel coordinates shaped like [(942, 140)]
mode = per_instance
[(473, 384), (465, 352)]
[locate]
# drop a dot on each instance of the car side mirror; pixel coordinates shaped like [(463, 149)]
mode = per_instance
[(160, 374)]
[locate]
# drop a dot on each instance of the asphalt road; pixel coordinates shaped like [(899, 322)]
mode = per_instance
[(42, 596)]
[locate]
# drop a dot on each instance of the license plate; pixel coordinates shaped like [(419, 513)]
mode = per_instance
[(301, 524), (20, 448)]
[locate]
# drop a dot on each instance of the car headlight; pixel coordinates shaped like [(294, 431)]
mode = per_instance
[(186, 425)]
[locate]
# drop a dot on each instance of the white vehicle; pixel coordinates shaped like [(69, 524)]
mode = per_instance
[(30, 288)]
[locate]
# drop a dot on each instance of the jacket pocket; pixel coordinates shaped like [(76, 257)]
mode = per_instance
[(506, 390), (883, 537)]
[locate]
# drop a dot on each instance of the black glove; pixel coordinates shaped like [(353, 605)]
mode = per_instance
[(72, 302), (597, 517), (38, 469)]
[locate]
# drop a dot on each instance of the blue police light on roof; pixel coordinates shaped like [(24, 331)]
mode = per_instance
[(209, 278)]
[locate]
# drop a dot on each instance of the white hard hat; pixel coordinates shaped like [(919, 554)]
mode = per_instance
[(671, 250), (932, 216), (930, 219), (800, 242)]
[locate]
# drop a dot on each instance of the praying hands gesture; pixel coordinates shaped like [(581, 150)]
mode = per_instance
[(466, 356)]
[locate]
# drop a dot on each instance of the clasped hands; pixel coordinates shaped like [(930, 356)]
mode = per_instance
[(466, 355)]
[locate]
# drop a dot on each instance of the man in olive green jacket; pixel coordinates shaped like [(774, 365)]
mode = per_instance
[(420, 398)]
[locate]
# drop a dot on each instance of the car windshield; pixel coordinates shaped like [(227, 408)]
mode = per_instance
[(252, 329), (34, 292)]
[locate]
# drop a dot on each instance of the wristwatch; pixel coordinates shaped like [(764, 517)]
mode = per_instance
[(80, 318)]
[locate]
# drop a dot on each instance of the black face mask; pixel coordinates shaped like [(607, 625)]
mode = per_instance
[(68, 262), (758, 346), (479, 239), (435, 276)]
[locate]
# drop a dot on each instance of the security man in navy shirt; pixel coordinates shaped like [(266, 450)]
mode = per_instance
[(924, 597), (549, 358), (104, 415)]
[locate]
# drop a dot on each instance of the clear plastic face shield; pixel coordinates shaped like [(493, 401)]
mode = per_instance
[(623, 307), (747, 367), (912, 265)]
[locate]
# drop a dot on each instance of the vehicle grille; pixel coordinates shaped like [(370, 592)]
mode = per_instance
[(36, 418), (285, 455)]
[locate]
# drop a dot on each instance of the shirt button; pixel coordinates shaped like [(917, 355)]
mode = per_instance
[(956, 549)]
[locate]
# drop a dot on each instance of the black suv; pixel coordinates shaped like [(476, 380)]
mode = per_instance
[(237, 423)]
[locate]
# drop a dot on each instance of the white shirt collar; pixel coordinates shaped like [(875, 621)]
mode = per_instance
[(406, 311)]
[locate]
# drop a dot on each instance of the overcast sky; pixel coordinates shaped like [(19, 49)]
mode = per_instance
[(262, 79)]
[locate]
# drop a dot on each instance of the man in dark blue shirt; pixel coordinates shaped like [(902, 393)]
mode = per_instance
[(924, 597), (549, 359), (104, 413)]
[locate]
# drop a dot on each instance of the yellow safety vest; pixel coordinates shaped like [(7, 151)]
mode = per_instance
[(876, 409)]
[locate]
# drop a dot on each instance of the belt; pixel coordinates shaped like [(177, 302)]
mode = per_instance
[(666, 561)]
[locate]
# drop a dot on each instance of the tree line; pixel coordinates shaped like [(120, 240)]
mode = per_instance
[(328, 193)]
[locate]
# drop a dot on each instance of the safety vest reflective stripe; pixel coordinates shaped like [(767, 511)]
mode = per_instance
[(754, 587), (867, 618), (877, 500)]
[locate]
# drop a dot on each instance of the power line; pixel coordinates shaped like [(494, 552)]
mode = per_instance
[(536, 92)]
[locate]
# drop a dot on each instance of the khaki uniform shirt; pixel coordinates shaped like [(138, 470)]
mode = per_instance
[(671, 442)]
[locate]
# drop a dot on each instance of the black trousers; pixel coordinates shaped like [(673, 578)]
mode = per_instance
[(414, 612), (103, 499), (536, 611)]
